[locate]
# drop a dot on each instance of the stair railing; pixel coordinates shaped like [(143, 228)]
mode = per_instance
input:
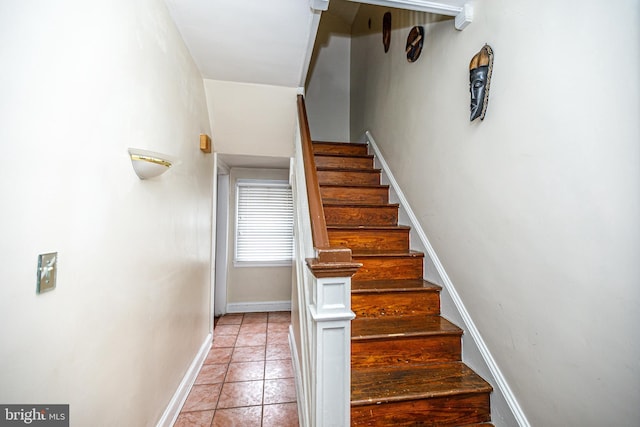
[(321, 299)]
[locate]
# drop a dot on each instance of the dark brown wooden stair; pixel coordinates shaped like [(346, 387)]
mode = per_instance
[(436, 394), (328, 176), (360, 213), (367, 238), (406, 367), (388, 265), (357, 161), (398, 341), (322, 147), (352, 193), (385, 298)]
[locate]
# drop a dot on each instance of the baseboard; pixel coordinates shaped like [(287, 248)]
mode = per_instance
[(172, 411), (303, 415), (469, 325), (258, 307)]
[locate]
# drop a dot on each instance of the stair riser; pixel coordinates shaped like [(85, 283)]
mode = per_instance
[(345, 149), (401, 351), (349, 215), (344, 162), (355, 194), (389, 240), (341, 177), (442, 412), (387, 304), (388, 268)]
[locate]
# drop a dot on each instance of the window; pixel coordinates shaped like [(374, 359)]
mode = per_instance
[(264, 222)]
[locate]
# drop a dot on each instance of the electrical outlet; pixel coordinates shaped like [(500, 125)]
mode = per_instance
[(47, 270)]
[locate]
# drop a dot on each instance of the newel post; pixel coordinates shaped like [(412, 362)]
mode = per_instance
[(332, 315)]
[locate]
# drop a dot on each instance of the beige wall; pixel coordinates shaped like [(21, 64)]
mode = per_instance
[(259, 285), (533, 212), (81, 82), (252, 124), (251, 119), (328, 83)]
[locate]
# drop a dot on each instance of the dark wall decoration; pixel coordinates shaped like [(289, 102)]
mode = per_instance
[(414, 43), (386, 31), (480, 69)]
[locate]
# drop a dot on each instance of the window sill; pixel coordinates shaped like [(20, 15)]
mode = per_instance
[(243, 264)]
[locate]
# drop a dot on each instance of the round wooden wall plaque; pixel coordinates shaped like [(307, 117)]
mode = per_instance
[(414, 43)]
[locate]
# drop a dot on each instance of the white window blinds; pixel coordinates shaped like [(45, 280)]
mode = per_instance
[(264, 225)]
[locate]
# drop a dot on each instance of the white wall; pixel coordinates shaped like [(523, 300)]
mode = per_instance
[(81, 82), (328, 82), (251, 119), (533, 212)]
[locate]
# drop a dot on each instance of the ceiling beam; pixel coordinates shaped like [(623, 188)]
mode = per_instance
[(463, 14), (319, 5)]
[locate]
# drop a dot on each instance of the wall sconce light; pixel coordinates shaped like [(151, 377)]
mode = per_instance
[(149, 164)]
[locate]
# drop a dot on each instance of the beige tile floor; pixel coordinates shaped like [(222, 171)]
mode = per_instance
[(247, 378)]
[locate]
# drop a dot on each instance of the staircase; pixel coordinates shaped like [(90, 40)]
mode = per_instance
[(406, 367)]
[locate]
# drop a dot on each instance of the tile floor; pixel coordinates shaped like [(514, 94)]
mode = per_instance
[(247, 378)]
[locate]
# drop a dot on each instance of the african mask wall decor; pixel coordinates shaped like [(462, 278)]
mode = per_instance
[(480, 69)]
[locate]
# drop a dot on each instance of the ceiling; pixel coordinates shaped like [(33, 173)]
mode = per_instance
[(249, 41), (268, 41)]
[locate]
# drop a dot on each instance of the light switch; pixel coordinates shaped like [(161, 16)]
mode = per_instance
[(47, 269)]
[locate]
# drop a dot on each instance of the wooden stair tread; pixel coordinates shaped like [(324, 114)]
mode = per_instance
[(393, 384), (390, 254), (399, 327), (368, 227), (394, 285), (321, 147), (352, 161), (339, 143), (356, 204), (363, 170), (347, 175), (356, 156), (355, 185)]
